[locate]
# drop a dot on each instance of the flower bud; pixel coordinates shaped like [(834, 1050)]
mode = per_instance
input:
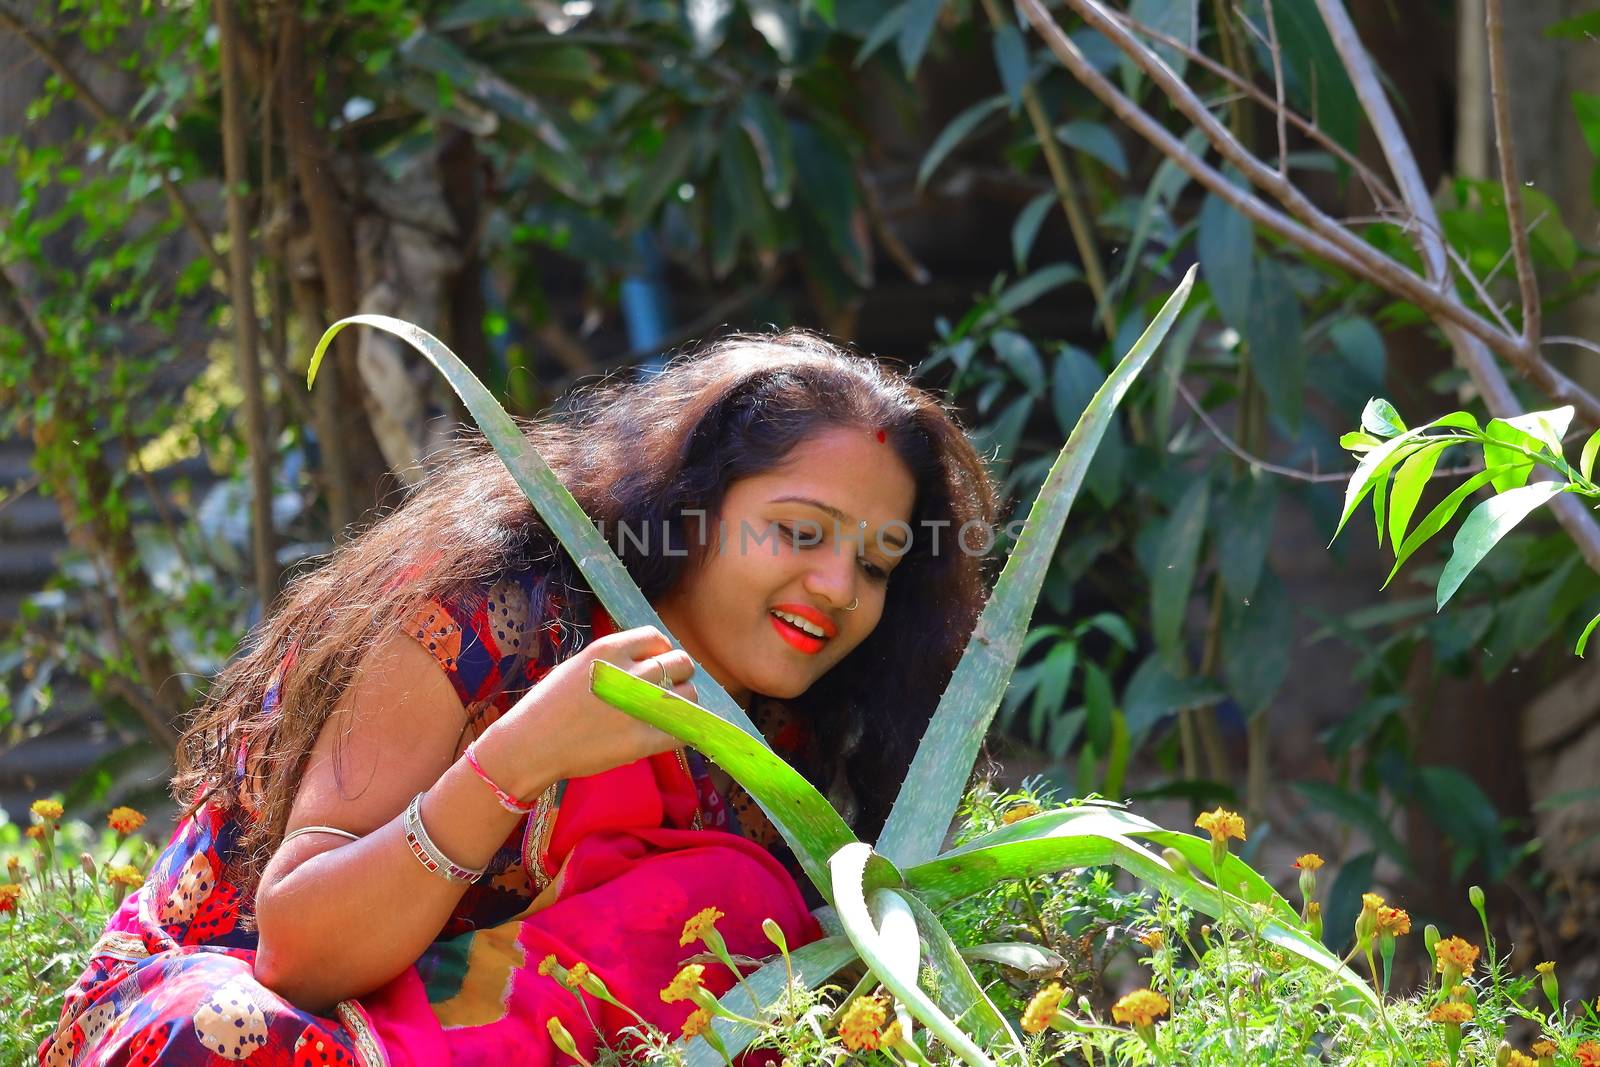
[(14, 868), (1502, 1054), (1475, 895), (1548, 983), (1177, 861), (774, 934), (86, 861), (563, 1039)]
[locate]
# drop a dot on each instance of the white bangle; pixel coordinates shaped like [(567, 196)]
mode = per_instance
[(428, 853)]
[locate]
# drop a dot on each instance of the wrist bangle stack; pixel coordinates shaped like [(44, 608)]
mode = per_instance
[(428, 853), (507, 801)]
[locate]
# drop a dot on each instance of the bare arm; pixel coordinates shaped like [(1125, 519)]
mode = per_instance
[(338, 918)]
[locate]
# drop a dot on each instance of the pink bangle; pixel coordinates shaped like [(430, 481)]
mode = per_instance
[(507, 801)]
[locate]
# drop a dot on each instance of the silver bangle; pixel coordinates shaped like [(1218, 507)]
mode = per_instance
[(428, 853)]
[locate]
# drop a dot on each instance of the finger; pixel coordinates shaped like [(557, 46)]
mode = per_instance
[(642, 642)]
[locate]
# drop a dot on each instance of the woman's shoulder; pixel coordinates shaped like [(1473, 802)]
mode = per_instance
[(497, 635)]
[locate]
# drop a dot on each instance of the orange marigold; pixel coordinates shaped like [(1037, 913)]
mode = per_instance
[(125, 820), (1221, 824), (1394, 921), (684, 983), (1454, 952), (1042, 1008), (35, 832), (48, 810), (124, 874), (698, 924), (1020, 812), (1140, 1008), (9, 893), (1451, 1012), (696, 1023), (1309, 862), (860, 1028), (1588, 1054)]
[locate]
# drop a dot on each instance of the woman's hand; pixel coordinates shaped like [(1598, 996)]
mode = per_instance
[(561, 726)]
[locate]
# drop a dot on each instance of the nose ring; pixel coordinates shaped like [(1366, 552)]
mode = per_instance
[(854, 603)]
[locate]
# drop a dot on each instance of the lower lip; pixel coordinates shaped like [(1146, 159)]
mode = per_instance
[(797, 637)]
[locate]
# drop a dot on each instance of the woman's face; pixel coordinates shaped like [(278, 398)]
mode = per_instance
[(846, 498)]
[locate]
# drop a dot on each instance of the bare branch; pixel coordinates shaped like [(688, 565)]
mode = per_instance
[(10, 20), (1575, 342), (1380, 190), (1257, 463), (1527, 282), (1277, 82)]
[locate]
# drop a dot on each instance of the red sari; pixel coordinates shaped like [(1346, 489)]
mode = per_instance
[(605, 871)]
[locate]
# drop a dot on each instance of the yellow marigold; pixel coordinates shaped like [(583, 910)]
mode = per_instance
[(1153, 940), (1543, 1047), (125, 820), (1141, 1007), (684, 983), (698, 924), (48, 810), (1394, 921), (891, 1035), (124, 874), (1309, 862), (1519, 1059), (1221, 824), (577, 974), (1436, 1063), (1020, 812), (547, 966), (9, 894), (859, 1029), (1042, 1008), (1588, 1054), (696, 1023), (1454, 952), (1451, 1012), (1547, 967), (1371, 902)]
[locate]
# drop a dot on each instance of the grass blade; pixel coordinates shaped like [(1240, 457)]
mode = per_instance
[(932, 790)]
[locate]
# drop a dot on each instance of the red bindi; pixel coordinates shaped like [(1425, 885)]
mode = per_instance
[(882, 437)]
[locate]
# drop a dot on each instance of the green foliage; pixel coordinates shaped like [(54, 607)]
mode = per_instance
[(60, 885)]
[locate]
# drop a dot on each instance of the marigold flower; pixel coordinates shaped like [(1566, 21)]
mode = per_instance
[(35, 832), (1519, 1059), (1454, 952), (562, 1037), (124, 874), (696, 1023), (1141, 1007), (1221, 824), (125, 820), (1309, 862), (1547, 967), (891, 1035), (1153, 940), (576, 975), (1019, 812), (548, 965), (695, 929), (1394, 921), (860, 1027), (1042, 1008), (1543, 1047), (1588, 1054), (9, 894), (684, 983), (1451, 1012), (48, 810)]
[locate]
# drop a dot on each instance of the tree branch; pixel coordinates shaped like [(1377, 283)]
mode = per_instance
[(1527, 281), (1470, 351), (10, 20)]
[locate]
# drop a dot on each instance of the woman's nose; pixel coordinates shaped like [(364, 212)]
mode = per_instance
[(832, 578)]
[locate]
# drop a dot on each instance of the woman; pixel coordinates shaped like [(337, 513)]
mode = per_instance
[(401, 797)]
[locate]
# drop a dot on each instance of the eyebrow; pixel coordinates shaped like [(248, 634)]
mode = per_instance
[(895, 539)]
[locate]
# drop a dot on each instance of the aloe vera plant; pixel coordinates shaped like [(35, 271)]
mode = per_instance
[(887, 898)]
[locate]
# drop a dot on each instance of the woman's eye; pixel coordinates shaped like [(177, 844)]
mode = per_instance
[(804, 540), (877, 573)]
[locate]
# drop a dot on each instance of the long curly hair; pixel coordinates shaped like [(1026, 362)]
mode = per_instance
[(633, 454)]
